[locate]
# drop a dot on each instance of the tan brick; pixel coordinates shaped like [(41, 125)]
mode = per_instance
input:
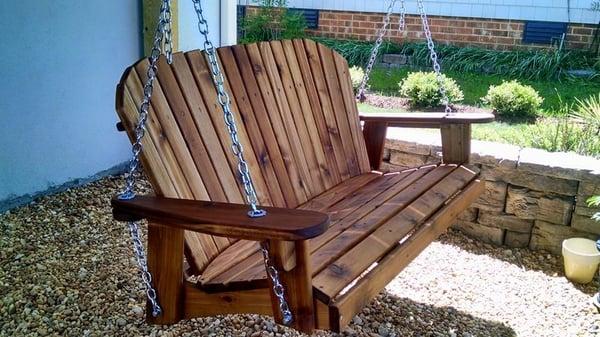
[(493, 198), (484, 233), (516, 239), (522, 202), (556, 210), (505, 221), (549, 237)]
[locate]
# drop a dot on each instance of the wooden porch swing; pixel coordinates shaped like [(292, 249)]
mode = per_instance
[(337, 230)]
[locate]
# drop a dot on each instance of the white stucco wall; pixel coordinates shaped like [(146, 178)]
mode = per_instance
[(61, 61), (539, 10)]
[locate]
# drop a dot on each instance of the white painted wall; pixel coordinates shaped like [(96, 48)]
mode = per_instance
[(539, 10), (219, 14), (61, 61)]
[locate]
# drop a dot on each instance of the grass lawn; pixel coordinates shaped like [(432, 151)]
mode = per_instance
[(475, 86)]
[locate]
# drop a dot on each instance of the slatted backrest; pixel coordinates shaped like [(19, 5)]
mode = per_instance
[(297, 121)]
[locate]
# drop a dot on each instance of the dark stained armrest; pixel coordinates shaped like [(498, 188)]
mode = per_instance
[(426, 119), (223, 219), (455, 130)]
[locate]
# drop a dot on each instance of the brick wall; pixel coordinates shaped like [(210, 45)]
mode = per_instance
[(487, 33)]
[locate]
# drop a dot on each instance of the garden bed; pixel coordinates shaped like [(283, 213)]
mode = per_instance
[(68, 269)]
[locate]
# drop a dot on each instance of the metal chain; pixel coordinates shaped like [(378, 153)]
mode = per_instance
[(375, 51), (434, 57), (238, 151), (402, 20), (225, 103), (161, 35), (278, 289)]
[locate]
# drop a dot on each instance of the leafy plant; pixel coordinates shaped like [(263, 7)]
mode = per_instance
[(356, 74), (357, 52), (423, 90), (272, 21), (595, 202), (512, 100), (588, 112)]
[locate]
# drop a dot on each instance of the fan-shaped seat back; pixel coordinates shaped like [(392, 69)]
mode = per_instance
[(297, 121)]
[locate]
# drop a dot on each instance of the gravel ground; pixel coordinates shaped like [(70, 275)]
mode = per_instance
[(67, 269)]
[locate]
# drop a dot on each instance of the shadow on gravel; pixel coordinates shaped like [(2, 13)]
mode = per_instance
[(390, 315), (524, 258)]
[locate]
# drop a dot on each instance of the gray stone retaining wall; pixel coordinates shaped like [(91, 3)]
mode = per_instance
[(533, 198)]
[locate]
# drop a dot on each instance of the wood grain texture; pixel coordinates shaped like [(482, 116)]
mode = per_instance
[(374, 134), (456, 143), (224, 219), (428, 117)]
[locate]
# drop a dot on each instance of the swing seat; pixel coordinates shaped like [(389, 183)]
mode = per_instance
[(338, 230)]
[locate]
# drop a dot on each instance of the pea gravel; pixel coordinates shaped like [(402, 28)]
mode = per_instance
[(67, 269)]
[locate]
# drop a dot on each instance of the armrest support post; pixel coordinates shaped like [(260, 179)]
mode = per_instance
[(374, 133), (297, 282), (456, 143)]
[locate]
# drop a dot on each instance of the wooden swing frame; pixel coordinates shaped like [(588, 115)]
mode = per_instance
[(290, 229)]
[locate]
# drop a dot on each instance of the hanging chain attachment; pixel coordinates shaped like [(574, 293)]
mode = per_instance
[(375, 51), (278, 289), (434, 58), (238, 151), (225, 103), (402, 19), (162, 42)]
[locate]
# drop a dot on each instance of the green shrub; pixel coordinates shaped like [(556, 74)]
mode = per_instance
[(356, 74), (423, 90), (272, 21), (512, 100)]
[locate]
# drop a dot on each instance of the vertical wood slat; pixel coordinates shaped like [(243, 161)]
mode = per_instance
[(324, 95), (339, 109), (176, 100), (304, 103), (247, 115), (352, 112), (301, 56), (303, 137), (277, 124), (259, 105)]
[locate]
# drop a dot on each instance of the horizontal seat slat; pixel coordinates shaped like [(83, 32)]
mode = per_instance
[(353, 263)]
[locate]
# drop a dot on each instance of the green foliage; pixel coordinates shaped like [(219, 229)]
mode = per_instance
[(595, 202), (528, 64), (423, 90), (272, 21), (512, 100), (356, 74), (588, 112)]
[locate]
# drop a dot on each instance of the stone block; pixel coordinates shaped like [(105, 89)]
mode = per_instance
[(494, 154), (522, 202), (516, 239), (493, 198), (587, 189), (505, 221), (399, 59), (556, 209), (408, 147), (584, 210), (548, 236), (407, 159), (585, 224), (478, 231), (469, 214), (531, 180), (566, 165), (387, 167)]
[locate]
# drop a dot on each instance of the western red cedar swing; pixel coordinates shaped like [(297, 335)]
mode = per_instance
[(323, 231)]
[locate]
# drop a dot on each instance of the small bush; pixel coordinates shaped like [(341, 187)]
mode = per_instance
[(356, 74), (272, 21), (423, 90), (512, 100)]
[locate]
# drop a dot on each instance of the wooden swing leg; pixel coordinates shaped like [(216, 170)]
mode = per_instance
[(165, 263), (292, 261), (374, 133)]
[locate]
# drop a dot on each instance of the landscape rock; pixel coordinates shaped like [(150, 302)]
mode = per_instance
[(548, 236), (505, 221), (516, 239), (522, 202), (493, 198), (556, 209), (407, 159), (585, 224), (484, 233)]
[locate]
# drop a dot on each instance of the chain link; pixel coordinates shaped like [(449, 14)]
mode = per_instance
[(238, 151), (402, 19), (277, 287), (434, 57), (161, 35), (375, 51), (225, 102)]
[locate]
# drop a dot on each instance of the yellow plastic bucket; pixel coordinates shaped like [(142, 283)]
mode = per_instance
[(581, 259)]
